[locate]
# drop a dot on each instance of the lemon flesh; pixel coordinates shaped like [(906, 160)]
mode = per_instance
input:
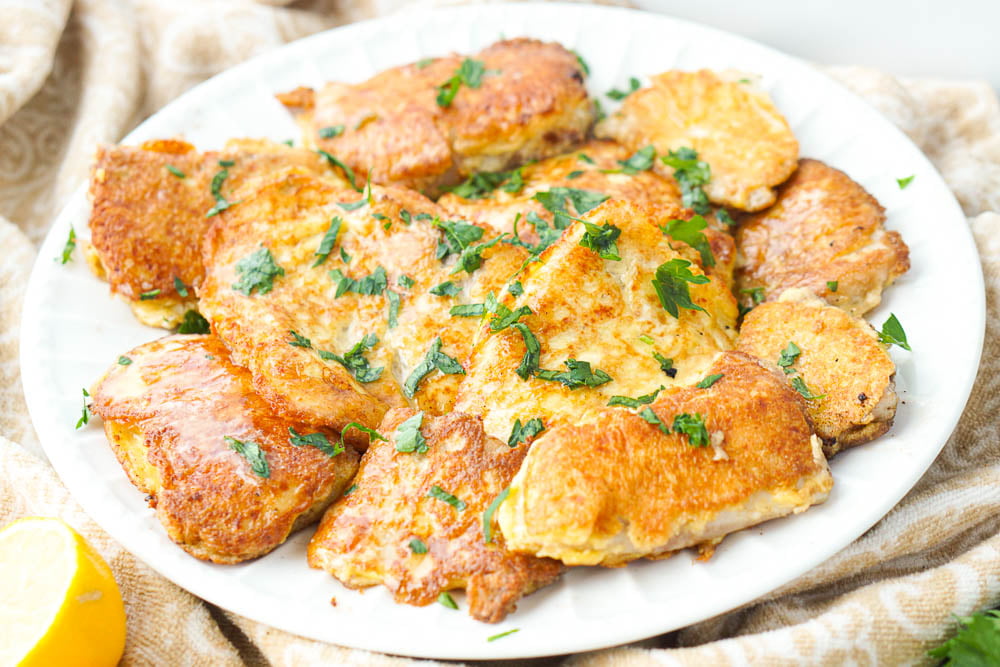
[(59, 603)]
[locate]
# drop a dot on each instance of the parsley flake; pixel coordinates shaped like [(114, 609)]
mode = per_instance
[(351, 489), (691, 174), (409, 439), (722, 215), (468, 310), (329, 239), (150, 295), (406, 281), (690, 232), (85, 414), (394, 301), (355, 362), (447, 288), (892, 333), (175, 171), (579, 374), (418, 546), (446, 600), (502, 635), (629, 402), (671, 284), (654, 419), (800, 386), (522, 432), (584, 67), (641, 160), (194, 323), (373, 284), (504, 317), (488, 515), (516, 288), (709, 381), (124, 361), (221, 203), (458, 235), (530, 362), (583, 157), (373, 435), (336, 162), (482, 184), (832, 285), (181, 288), (788, 357), (470, 73), (331, 131), (693, 426), (257, 271), (618, 95), (574, 174), (442, 495), (472, 257), (903, 182), (434, 358), (254, 455), (602, 240), (299, 340), (666, 365), (67, 253), (317, 440)]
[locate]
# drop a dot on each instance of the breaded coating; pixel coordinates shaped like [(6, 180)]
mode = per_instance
[(825, 233), (604, 312), (168, 413), (378, 249), (531, 104), (391, 531), (734, 127), (613, 487), (150, 206), (841, 360)]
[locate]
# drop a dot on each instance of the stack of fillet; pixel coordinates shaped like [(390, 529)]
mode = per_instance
[(486, 334)]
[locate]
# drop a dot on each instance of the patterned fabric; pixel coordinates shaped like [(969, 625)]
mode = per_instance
[(72, 74)]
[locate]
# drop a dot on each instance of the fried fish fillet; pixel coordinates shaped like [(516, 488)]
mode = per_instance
[(150, 212), (395, 531), (734, 127), (825, 233), (296, 317), (837, 356), (171, 414), (530, 103), (604, 312), (612, 487)]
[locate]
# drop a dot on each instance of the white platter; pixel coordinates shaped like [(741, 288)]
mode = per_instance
[(72, 330)]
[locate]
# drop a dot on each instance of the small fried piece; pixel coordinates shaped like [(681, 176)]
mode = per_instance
[(825, 233), (604, 312), (734, 127), (149, 214), (391, 531), (531, 103), (634, 491), (840, 359), (168, 413)]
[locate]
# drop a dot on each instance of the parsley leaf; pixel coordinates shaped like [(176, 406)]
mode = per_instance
[(629, 402), (584, 67), (470, 73), (468, 310), (221, 203), (554, 201), (406, 281), (124, 361), (335, 162), (445, 599), (654, 419), (666, 365), (365, 198), (722, 215), (690, 232), (472, 257), (671, 286), (372, 284), (254, 455), (331, 131), (578, 375), (447, 288), (903, 182), (299, 340), (458, 235), (788, 357), (522, 432), (482, 184), (355, 362), (257, 271), (394, 300), (832, 285), (442, 495), (691, 174), (531, 360), (418, 546), (633, 85), (516, 288), (317, 440), (181, 288), (800, 386), (67, 253), (641, 160), (490, 511), (150, 295), (329, 239), (574, 174), (977, 642), (409, 439), (373, 435), (709, 380), (583, 157), (504, 317), (175, 171), (434, 358), (892, 333), (601, 240), (85, 415), (693, 426), (193, 323)]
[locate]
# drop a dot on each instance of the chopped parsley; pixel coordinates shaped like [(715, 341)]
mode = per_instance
[(574, 174), (584, 67), (654, 419), (409, 439), (666, 365), (691, 174), (150, 295), (221, 203), (504, 317), (372, 284), (788, 357), (227, 163), (336, 162), (181, 288), (641, 160), (124, 361), (602, 240), (501, 635), (522, 432), (447, 288), (648, 340), (579, 374), (976, 643), (554, 201), (254, 455), (482, 184), (365, 198), (756, 298), (469, 73), (317, 440), (344, 256), (424, 62), (257, 271), (373, 435), (709, 381), (832, 285), (530, 362), (892, 333), (434, 358), (723, 216), (406, 281), (299, 340), (394, 301), (583, 157), (516, 288), (671, 284), (442, 495), (418, 546), (446, 600), (629, 402), (903, 182), (355, 362), (633, 85), (175, 171), (488, 515), (351, 489), (800, 386), (193, 323), (329, 239), (67, 253), (458, 235), (693, 426), (690, 232), (472, 256), (331, 131), (468, 310), (85, 414)]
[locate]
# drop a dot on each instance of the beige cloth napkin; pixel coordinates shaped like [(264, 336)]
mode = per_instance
[(72, 74)]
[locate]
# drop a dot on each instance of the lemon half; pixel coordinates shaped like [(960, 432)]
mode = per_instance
[(59, 603)]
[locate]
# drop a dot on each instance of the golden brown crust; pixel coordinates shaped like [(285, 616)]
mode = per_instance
[(147, 223), (735, 128), (531, 104), (824, 228), (364, 539), (596, 310), (167, 414), (841, 360), (612, 487)]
